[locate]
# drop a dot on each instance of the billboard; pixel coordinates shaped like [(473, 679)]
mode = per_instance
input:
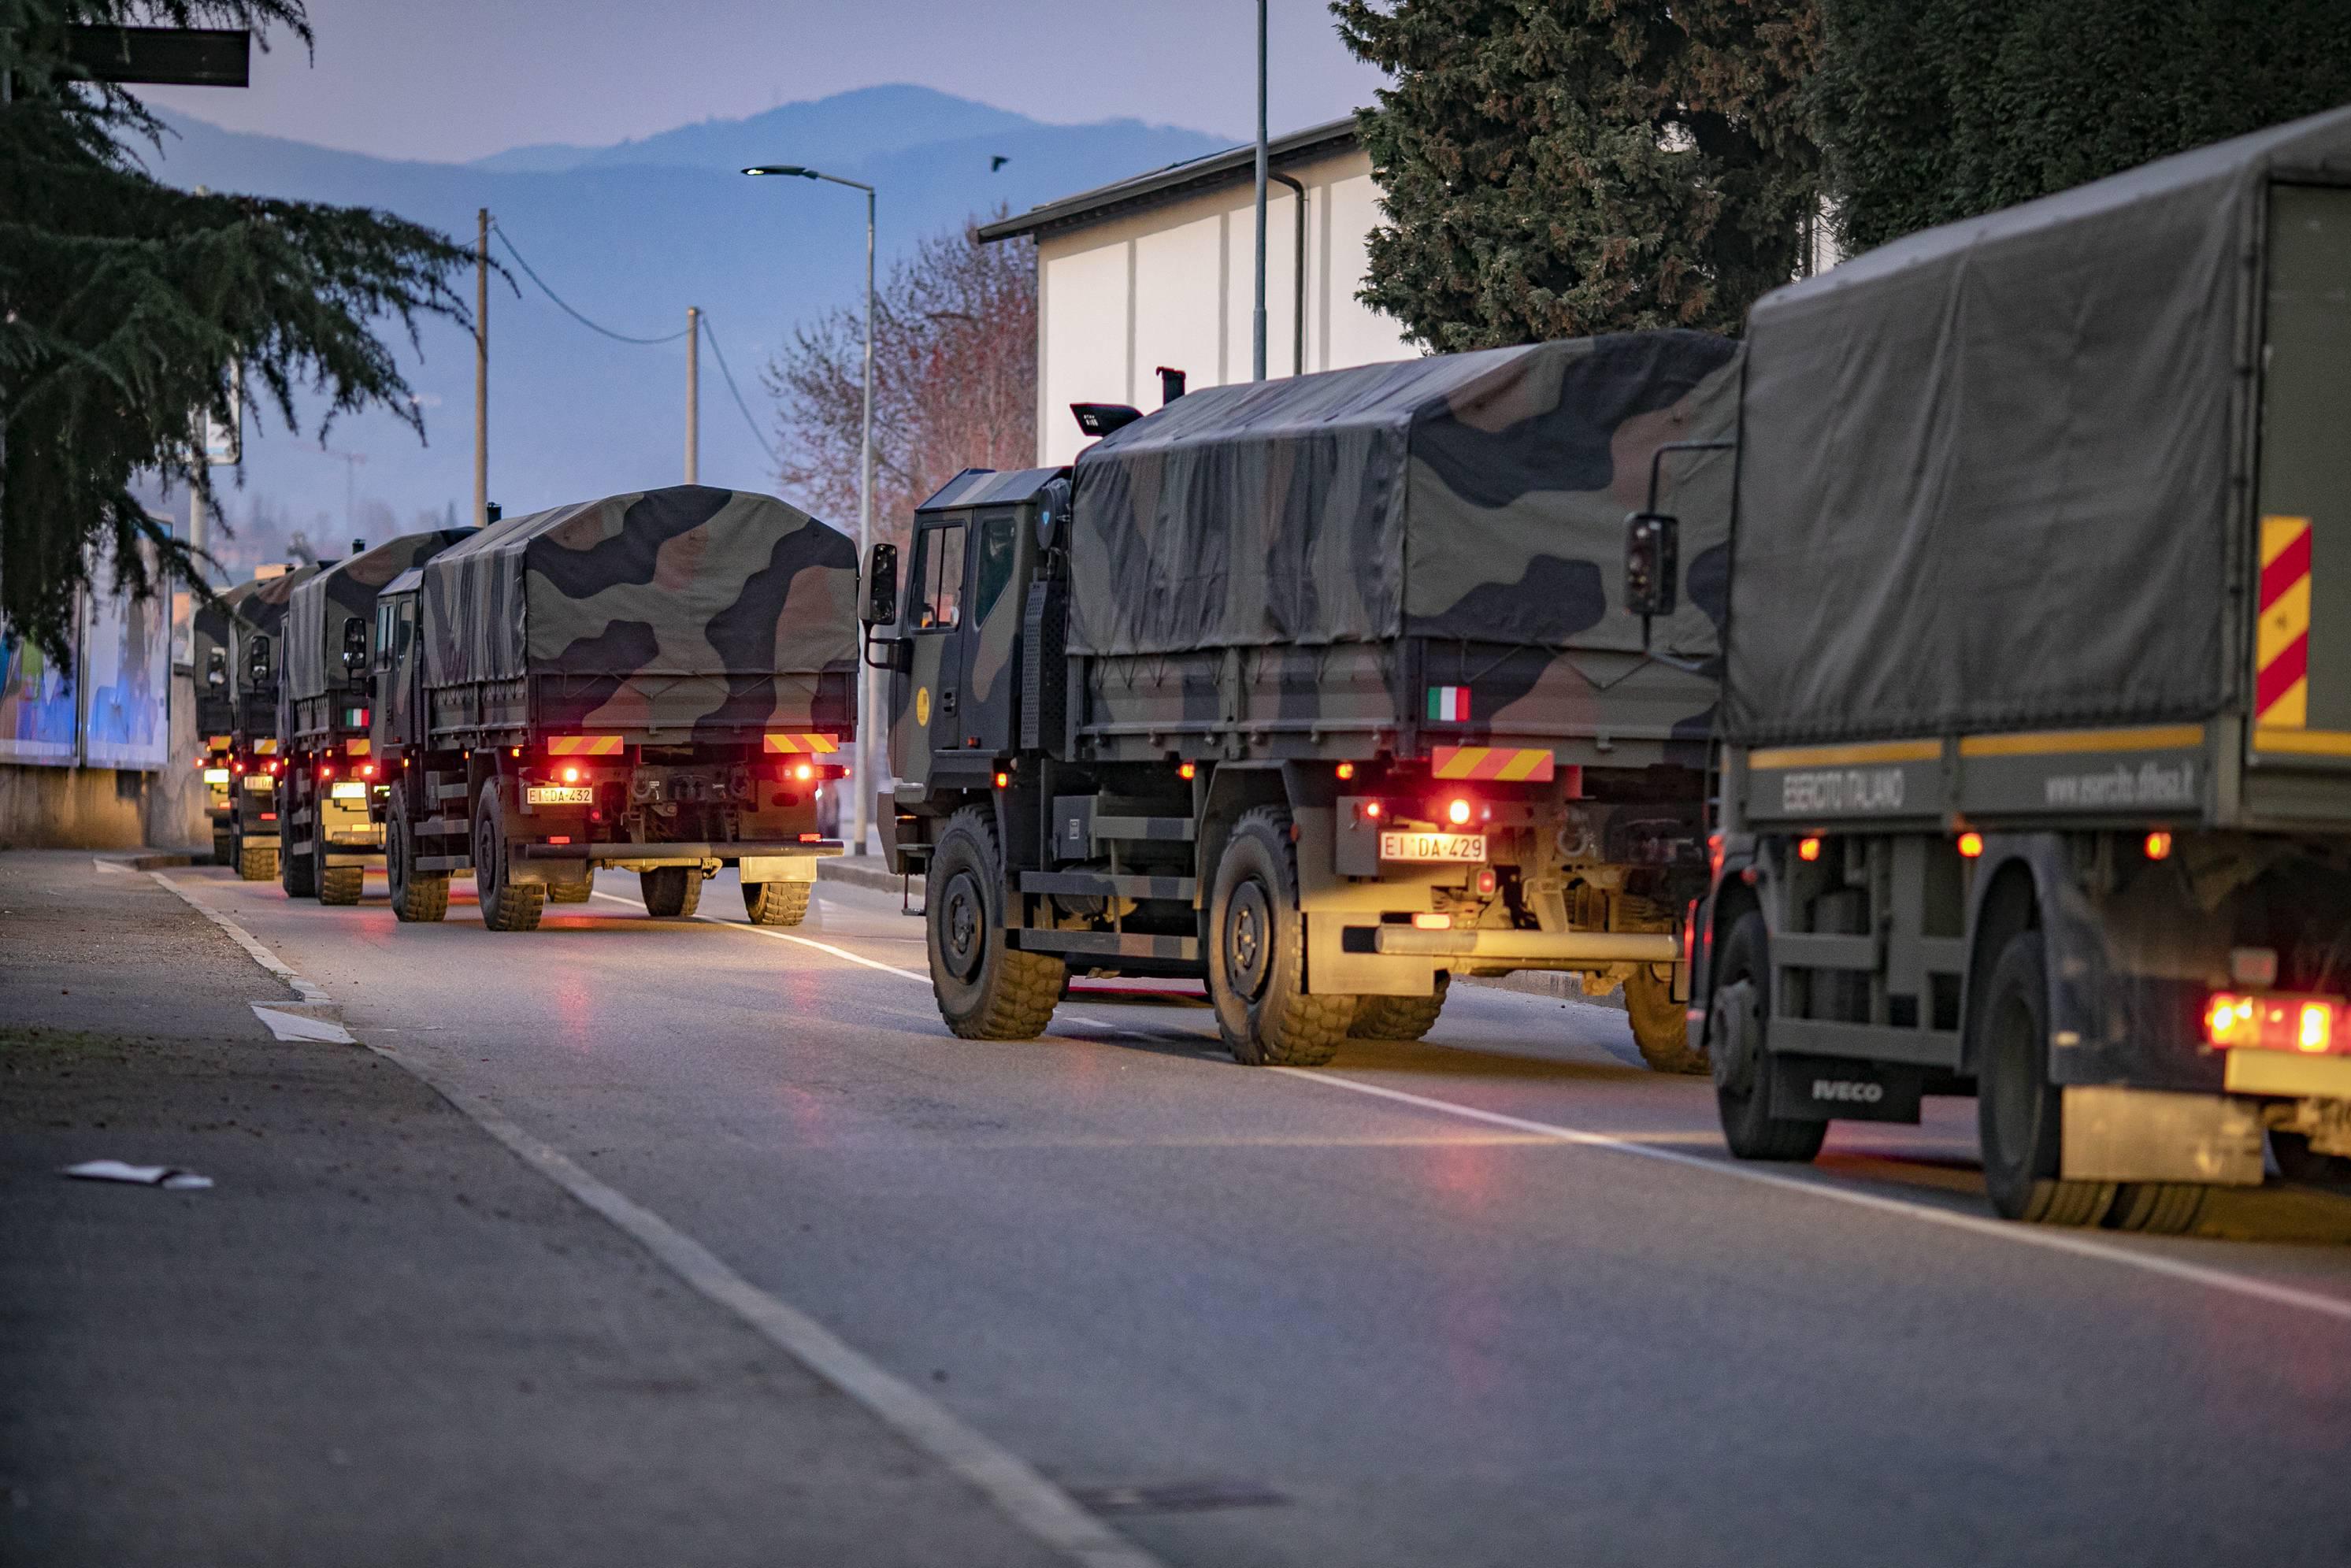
[(37, 704), (125, 676)]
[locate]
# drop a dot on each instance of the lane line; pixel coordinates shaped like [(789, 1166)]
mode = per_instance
[(1017, 1489), (2045, 1236), (2054, 1241), (787, 937)]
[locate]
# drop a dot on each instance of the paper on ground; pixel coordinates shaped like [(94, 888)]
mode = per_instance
[(139, 1176)]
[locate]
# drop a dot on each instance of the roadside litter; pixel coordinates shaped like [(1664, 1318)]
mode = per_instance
[(164, 1176)]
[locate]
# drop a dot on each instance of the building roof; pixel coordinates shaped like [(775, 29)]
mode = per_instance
[(1232, 166)]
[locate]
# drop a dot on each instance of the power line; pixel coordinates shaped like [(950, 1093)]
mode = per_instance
[(717, 352), (576, 316), (720, 355)]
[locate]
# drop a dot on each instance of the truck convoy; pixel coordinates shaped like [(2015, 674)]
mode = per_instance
[(331, 835), (211, 640), (1321, 690), (656, 682), (2037, 782)]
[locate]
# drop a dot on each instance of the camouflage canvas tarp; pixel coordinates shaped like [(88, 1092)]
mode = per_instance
[(320, 606), (1993, 472), (1477, 496), (653, 610)]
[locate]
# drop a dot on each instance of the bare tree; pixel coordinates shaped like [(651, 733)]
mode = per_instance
[(955, 382)]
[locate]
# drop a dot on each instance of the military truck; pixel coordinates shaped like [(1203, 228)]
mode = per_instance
[(323, 712), (656, 682), (2038, 692), (240, 729), (1323, 690), (212, 647)]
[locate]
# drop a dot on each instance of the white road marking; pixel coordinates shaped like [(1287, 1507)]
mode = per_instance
[(842, 953), (1010, 1482), (295, 1026), (2046, 1236)]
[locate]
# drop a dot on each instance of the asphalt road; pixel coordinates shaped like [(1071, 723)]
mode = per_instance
[(1494, 1299)]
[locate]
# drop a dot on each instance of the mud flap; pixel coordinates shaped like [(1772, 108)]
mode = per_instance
[(2147, 1135), (1830, 1088)]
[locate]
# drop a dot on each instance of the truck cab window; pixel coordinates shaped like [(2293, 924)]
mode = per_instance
[(938, 576), (1000, 541)]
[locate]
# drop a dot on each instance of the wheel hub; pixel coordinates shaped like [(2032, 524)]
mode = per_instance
[(1249, 932), (960, 926)]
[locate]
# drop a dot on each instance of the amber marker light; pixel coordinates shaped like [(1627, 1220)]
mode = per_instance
[(1970, 845), (1346, 770), (1807, 849), (1004, 781), (1186, 770), (1458, 813), (2314, 1028), (2158, 845)]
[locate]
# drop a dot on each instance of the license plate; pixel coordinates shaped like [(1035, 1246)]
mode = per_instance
[(561, 795), (349, 791), (260, 783), (1432, 846)]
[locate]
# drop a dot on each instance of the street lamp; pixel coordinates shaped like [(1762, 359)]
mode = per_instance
[(866, 706)]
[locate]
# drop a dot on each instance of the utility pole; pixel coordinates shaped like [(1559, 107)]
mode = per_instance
[(1257, 318), (862, 818), (482, 370), (693, 394)]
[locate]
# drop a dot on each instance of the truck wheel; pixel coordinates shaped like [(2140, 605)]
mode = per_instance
[(1660, 1024), (672, 892), (2158, 1208), (776, 902), (1734, 1039), (985, 990), (1398, 1017), (2018, 1109), (505, 906), (416, 895), (257, 862), (295, 873), (341, 884), (1256, 953), (223, 851), (579, 892)]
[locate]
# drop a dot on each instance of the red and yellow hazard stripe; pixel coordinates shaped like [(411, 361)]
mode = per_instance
[(1508, 764), (584, 745), (803, 745), (2282, 643)]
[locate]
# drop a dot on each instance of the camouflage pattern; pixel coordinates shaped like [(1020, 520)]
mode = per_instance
[(686, 609), (320, 605), (213, 630), (1359, 537)]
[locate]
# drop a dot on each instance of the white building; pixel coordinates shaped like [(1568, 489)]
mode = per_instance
[(1160, 270)]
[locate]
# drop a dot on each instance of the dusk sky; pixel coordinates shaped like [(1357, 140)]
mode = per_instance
[(452, 79)]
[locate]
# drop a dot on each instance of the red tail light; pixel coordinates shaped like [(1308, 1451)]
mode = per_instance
[(2308, 1026)]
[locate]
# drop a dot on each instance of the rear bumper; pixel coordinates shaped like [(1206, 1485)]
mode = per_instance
[(1531, 949), (2283, 1072), (649, 857)]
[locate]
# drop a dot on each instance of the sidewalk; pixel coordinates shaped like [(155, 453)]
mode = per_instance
[(380, 1338)]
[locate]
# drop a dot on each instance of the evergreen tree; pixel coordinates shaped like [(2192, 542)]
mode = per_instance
[(1931, 111), (1557, 168), (124, 304)]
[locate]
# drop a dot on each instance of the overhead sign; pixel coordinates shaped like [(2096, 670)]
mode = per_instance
[(165, 57)]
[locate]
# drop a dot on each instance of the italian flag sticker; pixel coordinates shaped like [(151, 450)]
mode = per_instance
[(1449, 703)]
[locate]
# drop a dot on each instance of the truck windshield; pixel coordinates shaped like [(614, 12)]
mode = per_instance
[(938, 578)]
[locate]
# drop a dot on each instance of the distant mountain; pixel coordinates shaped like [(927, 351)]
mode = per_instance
[(631, 236)]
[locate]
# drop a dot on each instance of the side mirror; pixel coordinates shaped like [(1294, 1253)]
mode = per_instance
[(217, 668), (1652, 562), (355, 646), (257, 663), (882, 586)]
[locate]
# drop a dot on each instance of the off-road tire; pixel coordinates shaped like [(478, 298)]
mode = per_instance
[(1398, 1017), (2018, 1113), (505, 906), (777, 902), (417, 896), (670, 891), (1256, 953), (1742, 1094), (2158, 1208), (341, 884), (257, 862), (579, 892), (223, 848), (296, 873), (1660, 1024), (985, 988)]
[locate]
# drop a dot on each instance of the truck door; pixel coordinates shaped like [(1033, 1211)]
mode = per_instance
[(2302, 657), (934, 623), (397, 693), (992, 630)]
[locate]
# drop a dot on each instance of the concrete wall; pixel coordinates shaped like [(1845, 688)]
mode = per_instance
[(1174, 285), (111, 809)]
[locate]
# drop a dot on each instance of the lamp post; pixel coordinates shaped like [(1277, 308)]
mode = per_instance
[(860, 818)]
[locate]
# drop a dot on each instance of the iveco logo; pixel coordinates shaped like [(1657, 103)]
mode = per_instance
[(1847, 1089)]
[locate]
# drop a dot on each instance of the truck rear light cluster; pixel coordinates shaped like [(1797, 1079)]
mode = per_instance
[(2309, 1026)]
